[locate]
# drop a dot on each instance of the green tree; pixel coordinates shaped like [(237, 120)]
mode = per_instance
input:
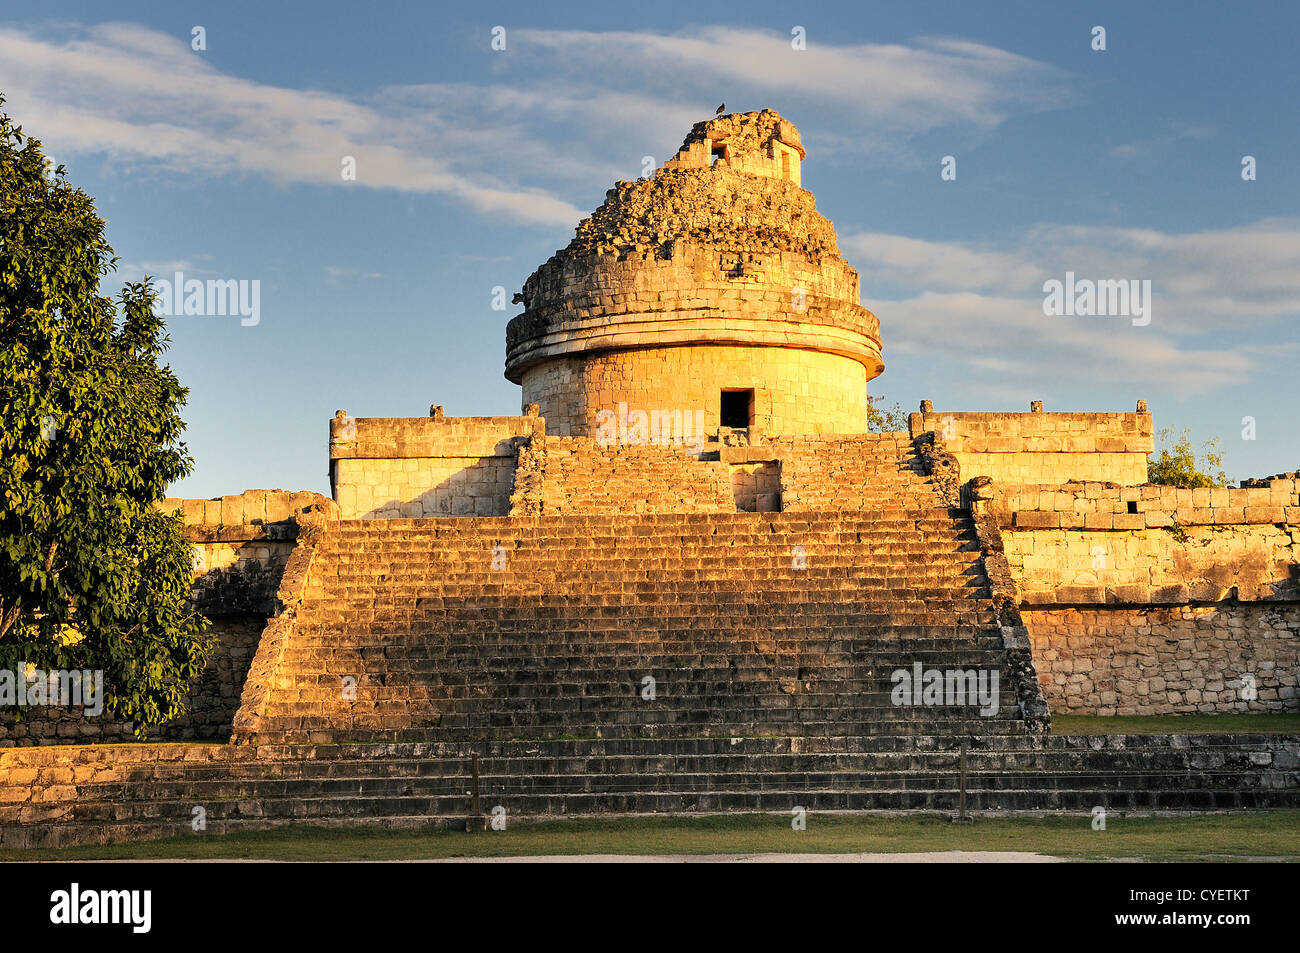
[(884, 421), (92, 576), (1177, 465)]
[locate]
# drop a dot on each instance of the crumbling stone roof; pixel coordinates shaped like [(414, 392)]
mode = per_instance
[(747, 132), (730, 211)]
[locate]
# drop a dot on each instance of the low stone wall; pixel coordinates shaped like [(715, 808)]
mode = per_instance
[(239, 558), (1038, 447), (1098, 505), (415, 467)]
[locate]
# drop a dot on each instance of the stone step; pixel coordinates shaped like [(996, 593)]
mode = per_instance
[(423, 813), (621, 526), (521, 768), (111, 802), (402, 730)]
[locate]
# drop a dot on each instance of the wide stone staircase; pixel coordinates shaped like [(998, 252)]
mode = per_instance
[(642, 625)]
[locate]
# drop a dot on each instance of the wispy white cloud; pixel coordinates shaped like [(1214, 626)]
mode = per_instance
[(936, 81), (1213, 292), (1212, 280), (143, 96), (337, 274), (562, 112), (1153, 146)]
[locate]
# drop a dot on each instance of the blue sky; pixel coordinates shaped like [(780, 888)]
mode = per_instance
[(474, 165)]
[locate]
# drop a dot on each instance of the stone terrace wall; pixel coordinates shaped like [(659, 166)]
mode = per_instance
[(1090, 543), (241, 546), (1156, 600), (1040, 447), (864, 471), (426, 466), (1184, 659)]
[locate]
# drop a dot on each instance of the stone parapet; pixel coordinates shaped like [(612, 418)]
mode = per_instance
[(1106, 506), (426, 466), (1038, 447), (251, 508)]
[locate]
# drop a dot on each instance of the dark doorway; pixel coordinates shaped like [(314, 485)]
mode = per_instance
[(737, 408)]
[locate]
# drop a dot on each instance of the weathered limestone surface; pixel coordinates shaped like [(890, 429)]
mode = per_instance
[(847, 473), (1151, 545), (795, 391), (578, 475), (860, 473), (426, 466), (759, 143), (54, 797)]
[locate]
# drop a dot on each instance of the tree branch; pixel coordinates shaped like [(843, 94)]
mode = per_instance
[(8, 616)]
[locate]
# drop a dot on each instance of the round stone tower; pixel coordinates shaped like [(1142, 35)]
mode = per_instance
[(713, 286)]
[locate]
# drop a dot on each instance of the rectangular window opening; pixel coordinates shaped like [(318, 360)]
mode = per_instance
[(737, 409)]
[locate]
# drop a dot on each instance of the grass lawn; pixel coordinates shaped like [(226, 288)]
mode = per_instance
[(1273, 834), (1280, 723)]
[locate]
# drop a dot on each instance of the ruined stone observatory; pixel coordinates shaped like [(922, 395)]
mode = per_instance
[(494, 592), (714, 285)]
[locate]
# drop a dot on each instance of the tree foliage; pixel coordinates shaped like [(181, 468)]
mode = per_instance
[(884, 421), (1177, 462), (92, 576)]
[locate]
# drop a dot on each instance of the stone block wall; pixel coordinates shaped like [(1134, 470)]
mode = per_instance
[(578, 475), (865, 471), (239, 558), (1156, 600), (1186, 659), (1090, 543), (426, 466), (756, 487), (1038, 447)]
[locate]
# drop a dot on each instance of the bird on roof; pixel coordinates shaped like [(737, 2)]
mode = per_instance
[(721, 110)]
